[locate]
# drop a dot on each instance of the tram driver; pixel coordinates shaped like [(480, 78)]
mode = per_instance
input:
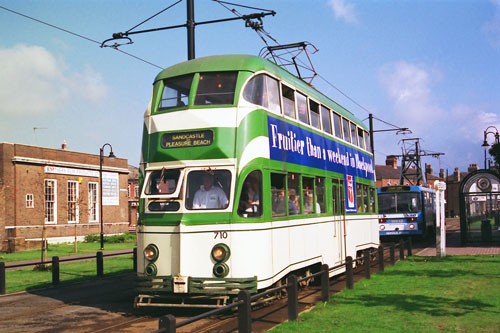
[(209, 196)]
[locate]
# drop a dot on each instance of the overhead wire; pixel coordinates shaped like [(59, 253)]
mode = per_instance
[(76, 34), (163, 10)]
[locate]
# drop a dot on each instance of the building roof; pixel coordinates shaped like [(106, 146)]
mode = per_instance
[(388, 172)]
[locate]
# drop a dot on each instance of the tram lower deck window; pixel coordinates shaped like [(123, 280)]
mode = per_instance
[(208, 189)]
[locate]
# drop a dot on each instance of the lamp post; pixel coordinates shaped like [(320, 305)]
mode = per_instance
[(101, 159), (489, 130)]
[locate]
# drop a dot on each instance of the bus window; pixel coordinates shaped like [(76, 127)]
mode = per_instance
[(251, 192), (346, 130), (216, 88), (366, 200), (278, 194), (314, 109), (368, 145), (359, 198), (320, 195), (372, 200), (354, 137), (302, 108), (288, 101), (208, 189), (361, 141), (175, 92), (308, 194), (325, 120), (263, 90), (162, 181), (293, 194), (337, 126)]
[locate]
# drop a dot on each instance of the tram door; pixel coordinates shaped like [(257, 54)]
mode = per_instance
[(339, 219)]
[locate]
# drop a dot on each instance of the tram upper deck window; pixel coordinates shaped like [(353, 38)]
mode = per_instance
[(354, 136), (175, 92), (368, 145), (361, 141), (302, 108), (288, 101), (325, 120), (263, 90), (208, 189), (337, 125), (162, 181), (346, 129), (314, 109), (216, 88)]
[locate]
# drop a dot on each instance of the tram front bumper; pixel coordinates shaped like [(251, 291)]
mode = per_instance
[(184, 285)]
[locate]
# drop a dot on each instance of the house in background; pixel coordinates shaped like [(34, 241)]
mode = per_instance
[(55, 192)]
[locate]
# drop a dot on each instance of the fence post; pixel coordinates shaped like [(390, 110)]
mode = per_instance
[(135, 259), (392, 250), (2, 278), (401, 250), (348, 272), (167, 323), (409, 246), (325, 283), (55, 270), (367, 259), (381, 258), (100, 264), (293, 301), (244, 312)]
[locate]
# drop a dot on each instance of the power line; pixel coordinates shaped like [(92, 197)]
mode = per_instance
[(154, 15), (76, 34)]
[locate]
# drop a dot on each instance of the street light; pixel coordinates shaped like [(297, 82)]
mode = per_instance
[(485, 144), (101, 159)]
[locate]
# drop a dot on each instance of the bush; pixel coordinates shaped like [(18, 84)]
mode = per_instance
[(124, 238)]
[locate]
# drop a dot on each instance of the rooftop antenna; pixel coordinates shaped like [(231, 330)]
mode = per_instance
[(34, 132)]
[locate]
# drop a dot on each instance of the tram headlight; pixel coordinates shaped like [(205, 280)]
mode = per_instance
[(412, 226), (151, 270), (220, 253), (221, 269), (151, 252)]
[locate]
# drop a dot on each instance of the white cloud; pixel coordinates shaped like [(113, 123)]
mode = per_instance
[(344, 11), (33, 82), (491, 29)]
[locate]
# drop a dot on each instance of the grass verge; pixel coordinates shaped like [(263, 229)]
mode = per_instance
[(421, 294), (26, 279)]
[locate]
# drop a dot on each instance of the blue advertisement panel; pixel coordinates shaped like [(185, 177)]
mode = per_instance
[(292, 144)]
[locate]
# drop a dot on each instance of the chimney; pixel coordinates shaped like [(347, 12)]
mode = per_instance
[(63, 146), (441, 173), (472, 167), (428, 169), (392, 161), (456, 175)]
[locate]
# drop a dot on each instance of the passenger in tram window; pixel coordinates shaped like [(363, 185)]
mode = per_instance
[(292, 205), (250, 196), (209, 196), (278, 202)]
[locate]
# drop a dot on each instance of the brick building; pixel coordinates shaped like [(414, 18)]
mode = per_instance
[(60, 188)]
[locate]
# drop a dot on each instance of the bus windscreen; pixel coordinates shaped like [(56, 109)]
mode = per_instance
[(406, 202)]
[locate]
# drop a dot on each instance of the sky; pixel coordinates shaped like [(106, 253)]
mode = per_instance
[(430, 65)]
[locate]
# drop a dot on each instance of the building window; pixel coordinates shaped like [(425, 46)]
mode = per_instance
[(72, 201), (50, 201), (29, 201), (136, 191), (93, 202)]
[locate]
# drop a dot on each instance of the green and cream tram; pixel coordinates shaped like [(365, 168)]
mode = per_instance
[(248, 174)]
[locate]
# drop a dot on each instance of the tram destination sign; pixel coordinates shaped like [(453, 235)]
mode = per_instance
[(187, 139)]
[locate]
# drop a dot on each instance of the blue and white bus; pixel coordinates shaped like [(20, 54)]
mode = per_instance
[(406, 210)]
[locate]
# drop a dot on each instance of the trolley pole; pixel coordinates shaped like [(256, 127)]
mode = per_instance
[(190, 29)]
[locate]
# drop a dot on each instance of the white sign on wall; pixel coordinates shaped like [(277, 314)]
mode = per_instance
[(71, 171), (110, 191)]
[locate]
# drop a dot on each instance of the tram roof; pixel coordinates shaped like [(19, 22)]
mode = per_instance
[(242, 62)]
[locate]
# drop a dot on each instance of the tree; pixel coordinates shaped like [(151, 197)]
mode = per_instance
[(495, 153)]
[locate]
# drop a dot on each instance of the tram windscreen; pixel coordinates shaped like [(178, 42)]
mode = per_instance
[(162, 181), (216, 88), (208, 189), (405, 202)]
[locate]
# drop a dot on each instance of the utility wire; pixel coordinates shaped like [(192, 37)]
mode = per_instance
[(154, 16), (75, 34)]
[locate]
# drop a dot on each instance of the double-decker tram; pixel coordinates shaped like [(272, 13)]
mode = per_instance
[(406, 210), (248, 174)]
